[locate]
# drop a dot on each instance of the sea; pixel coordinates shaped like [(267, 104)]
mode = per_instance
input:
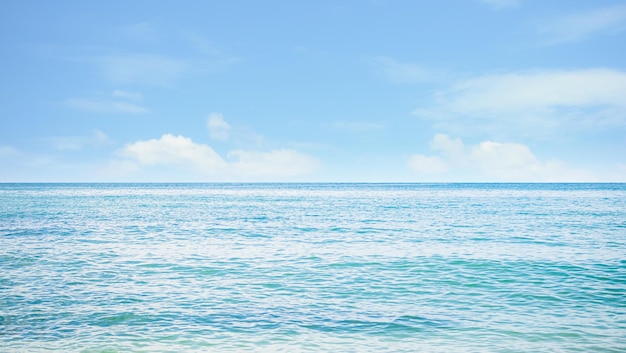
[(312, 267)]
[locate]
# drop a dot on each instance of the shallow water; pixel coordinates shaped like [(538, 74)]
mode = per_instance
[(313, 267)]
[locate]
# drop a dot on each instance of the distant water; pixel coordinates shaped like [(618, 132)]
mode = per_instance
[(313, 267)]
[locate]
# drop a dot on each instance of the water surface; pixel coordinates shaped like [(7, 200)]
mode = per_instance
[(313, 267)]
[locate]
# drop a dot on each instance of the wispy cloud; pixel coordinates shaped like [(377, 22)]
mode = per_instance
[(171, 154), (154, 68), (103, 106), (582, 25), (142, 31), (490, 160), (219, 129), (132, 96), (119, 102), (531, 102), (202, 45), (73, 143), (141, 68), (280, 163), (8, 151), (402, 72), (208, 58)]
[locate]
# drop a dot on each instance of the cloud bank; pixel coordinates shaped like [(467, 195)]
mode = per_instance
[(490, 160), (582, 25), (173, 156), (532, 101)]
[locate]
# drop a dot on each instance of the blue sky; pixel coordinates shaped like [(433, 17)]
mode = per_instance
[(341, 90)]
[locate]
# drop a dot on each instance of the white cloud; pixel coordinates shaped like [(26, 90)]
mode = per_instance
[(510, 161), (533, 101), (452, 149), (501, 4), (201, 162), (582, 25), (170, 149), (219, 129), (494, 161)]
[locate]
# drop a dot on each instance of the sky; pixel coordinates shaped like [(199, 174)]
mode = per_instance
[(313, 91)]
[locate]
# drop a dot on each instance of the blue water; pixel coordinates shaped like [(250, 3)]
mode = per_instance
[(313, 267)]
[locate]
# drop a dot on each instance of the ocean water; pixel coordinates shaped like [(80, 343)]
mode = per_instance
[(313, 267)]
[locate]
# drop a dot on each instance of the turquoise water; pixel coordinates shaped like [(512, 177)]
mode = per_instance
[(313, 267)]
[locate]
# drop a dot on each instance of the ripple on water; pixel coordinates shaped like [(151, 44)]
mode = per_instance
[(314, 267)]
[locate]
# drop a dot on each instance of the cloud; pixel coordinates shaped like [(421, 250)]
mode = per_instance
[(399, 72), (495, 161), (74, 143), (142, 68), (532, 101), (120, 102), (131, 96), (501, 4), (451, 149), (582, 25), (170, 149), (8, 151), (512, 161), (104, 106), (426, 164), (100, 138), (202, 45), (195, 56), (200, 162), (158, 70), (219, 129), (282, 163)]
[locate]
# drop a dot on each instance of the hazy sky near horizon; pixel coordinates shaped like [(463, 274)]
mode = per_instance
[(327, 90)]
